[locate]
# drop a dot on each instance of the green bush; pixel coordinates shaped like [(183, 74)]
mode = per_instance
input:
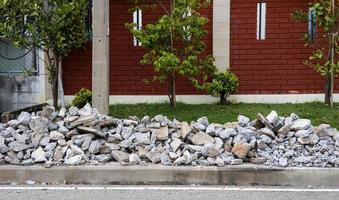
[(83, 97), (222, 85)]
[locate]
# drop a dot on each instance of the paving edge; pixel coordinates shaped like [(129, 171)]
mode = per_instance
[(242, 175)]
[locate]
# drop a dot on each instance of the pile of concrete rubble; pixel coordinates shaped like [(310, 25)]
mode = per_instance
[(79, 136)]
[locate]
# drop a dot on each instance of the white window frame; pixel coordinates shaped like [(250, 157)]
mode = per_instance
[(261, 21), (137, 19)]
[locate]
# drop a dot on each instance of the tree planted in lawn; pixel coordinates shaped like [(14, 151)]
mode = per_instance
[(175, 42), (324, 58), (54, 26)]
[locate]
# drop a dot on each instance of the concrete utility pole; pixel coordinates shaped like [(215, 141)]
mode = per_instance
[(221, 33), (100, 55)]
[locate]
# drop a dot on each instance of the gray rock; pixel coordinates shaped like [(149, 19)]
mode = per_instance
[(62, 112), (76, 150), (165, 159), (44, 141), (39, 155), (154, 156), (273, 118), (210, 130), (237, 162), (27, 162), (197, 126), (91, 130), (103, 157), (94, 147), (13, 160), (129, 122), (311, 139), (175, 144), (134, 159), (87, 141), (61, 142), (73, 111), (301, 124), (154, 125), (4, 148), (181, 160), (71, 133), (247, 133), (142, 138), (243, 120), (283, 162), (120, 156), (17, 147), (226, 133), (83, 120), (201, 138), (145, 120), (86, 110), (267, 131), (185, 129), (50, 146), (47, 112), (239, 139), (55, 135), (302, 133), (75, 160), (204, 121), (218, 144), (24, 118), (39, 124), (264, 121), (70, 119), (126, 132), (219, 162)]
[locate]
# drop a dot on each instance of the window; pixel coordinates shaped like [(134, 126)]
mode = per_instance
[(261, 21), (311, 24), (137, 19), (16, 61)]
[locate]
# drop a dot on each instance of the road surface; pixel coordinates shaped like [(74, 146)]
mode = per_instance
[(163, 193)]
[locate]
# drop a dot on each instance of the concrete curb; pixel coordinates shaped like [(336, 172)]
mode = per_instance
[(242, 175)]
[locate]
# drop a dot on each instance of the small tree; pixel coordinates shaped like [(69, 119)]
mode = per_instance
[(222, 85), (174, 43), (324, 59), (54, 26)]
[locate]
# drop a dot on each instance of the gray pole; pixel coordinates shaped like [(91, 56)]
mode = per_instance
[(100, 55)]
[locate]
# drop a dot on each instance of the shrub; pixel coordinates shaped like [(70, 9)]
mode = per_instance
[(83, 97), (222, 85)]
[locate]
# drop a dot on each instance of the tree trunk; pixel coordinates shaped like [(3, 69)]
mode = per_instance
[(55, 87), (171, 90), (329, 89), (223, 98), (61, 87)]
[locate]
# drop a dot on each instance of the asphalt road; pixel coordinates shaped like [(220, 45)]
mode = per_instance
[(163, 193)]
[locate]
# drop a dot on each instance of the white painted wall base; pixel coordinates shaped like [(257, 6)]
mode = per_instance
[(206, 99)]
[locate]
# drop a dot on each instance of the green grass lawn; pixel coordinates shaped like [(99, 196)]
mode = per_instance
[(317, 112)]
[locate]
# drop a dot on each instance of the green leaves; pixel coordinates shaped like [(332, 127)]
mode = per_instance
[(59, 26), (326, 19), (175, 42), (222, 84)]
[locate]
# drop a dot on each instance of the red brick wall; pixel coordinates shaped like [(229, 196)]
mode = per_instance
[(274, 65), (77, 68), (126, 74)]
